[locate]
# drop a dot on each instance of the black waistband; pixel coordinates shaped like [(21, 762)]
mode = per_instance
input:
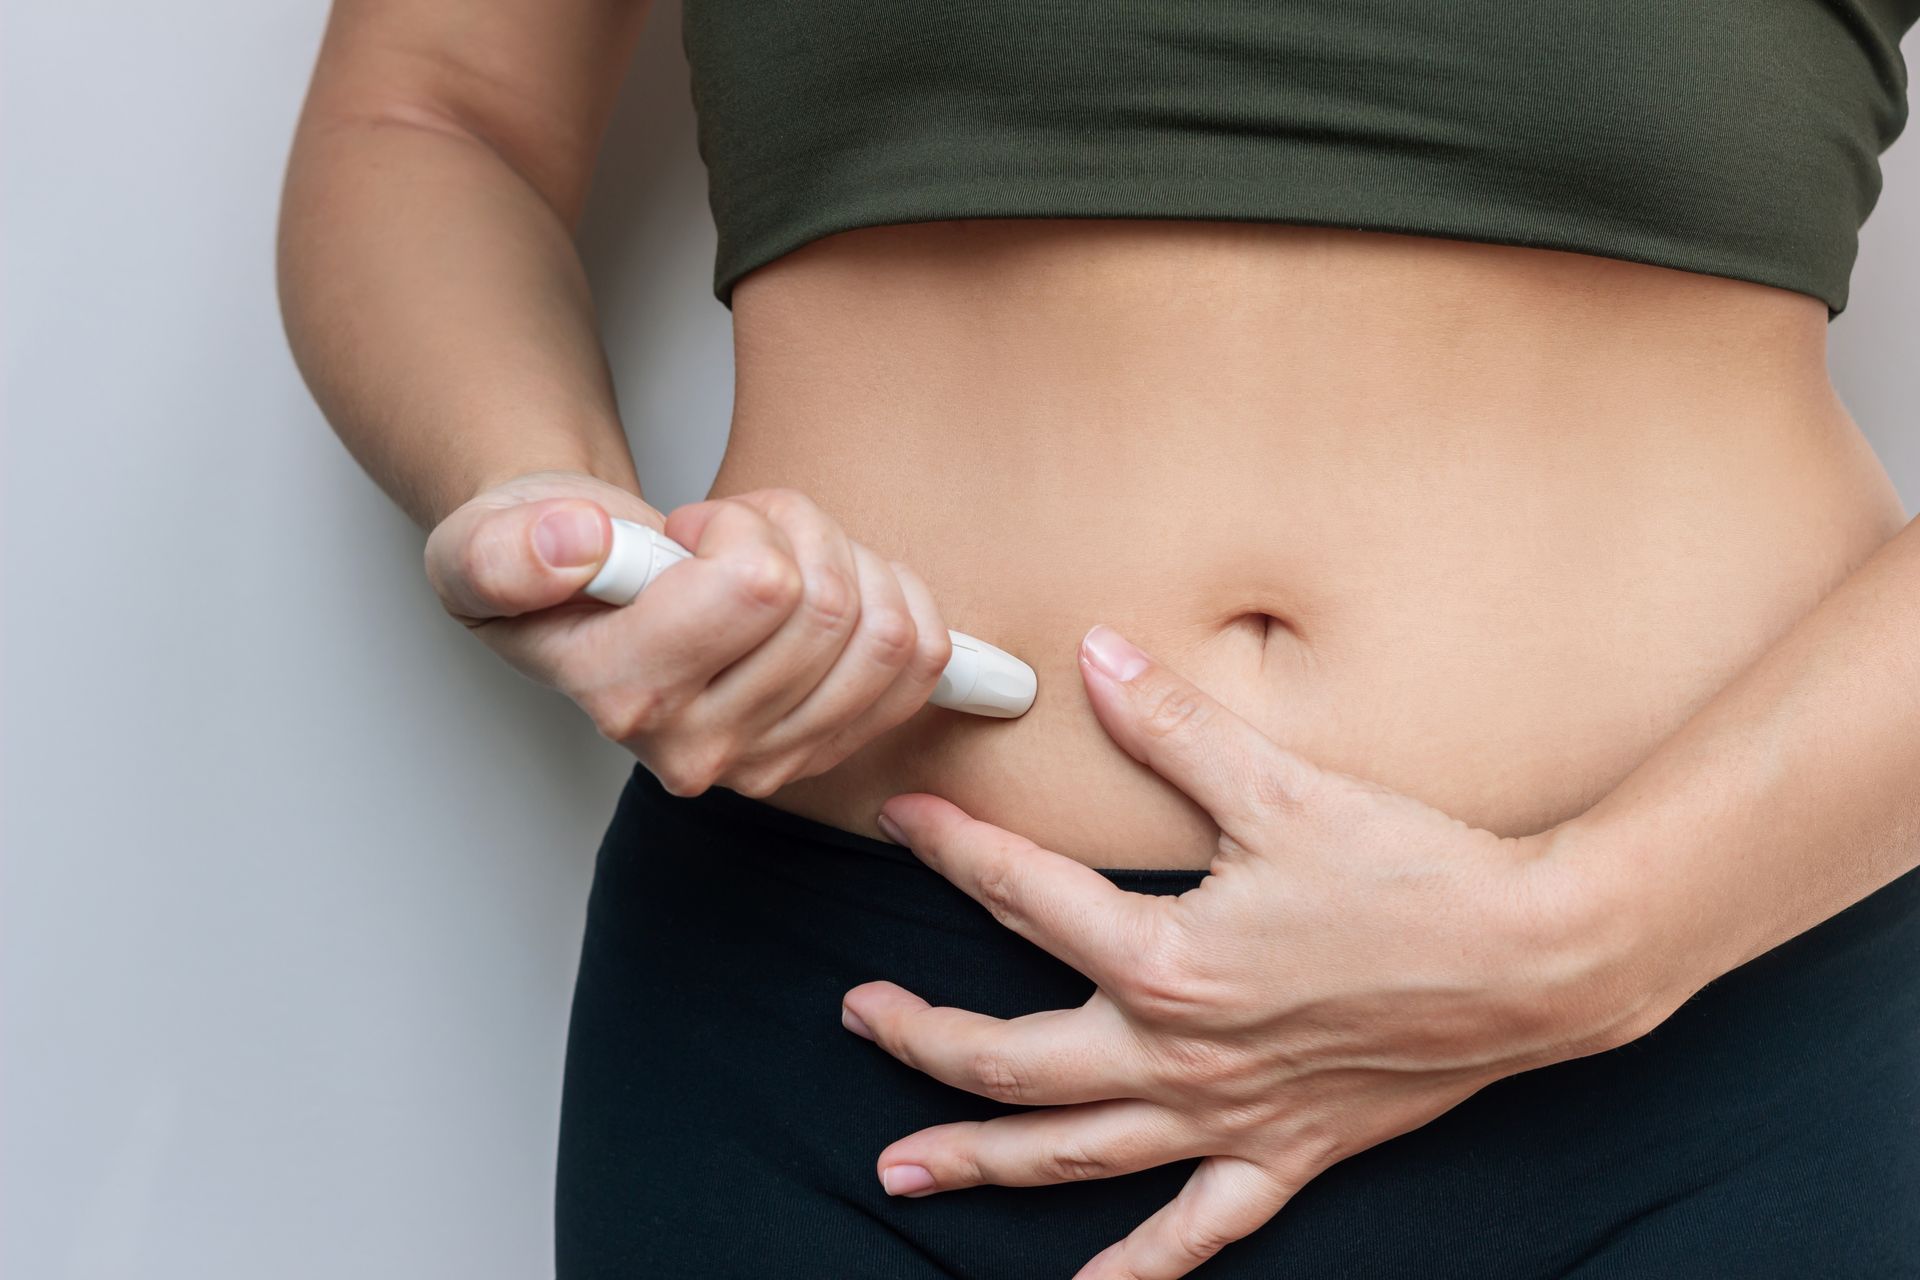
[(723, 807)]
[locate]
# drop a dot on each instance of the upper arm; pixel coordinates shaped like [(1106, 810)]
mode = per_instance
[(534, 79)]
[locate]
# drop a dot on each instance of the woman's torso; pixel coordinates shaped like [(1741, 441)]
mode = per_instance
[(1482, 523)]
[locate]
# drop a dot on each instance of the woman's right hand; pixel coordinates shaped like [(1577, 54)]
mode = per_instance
[(775, 652)]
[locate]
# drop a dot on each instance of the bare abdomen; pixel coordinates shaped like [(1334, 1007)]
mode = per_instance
[(1483, 524)]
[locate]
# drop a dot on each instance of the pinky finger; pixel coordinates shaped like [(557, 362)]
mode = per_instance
[(1226, 1199)]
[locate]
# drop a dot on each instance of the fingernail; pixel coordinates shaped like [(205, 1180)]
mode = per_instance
[(891, 827), (569, 538), (905, 1179), (1113, 655), (852, 1022)]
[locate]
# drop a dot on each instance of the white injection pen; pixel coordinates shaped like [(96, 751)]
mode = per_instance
[(979, 678)]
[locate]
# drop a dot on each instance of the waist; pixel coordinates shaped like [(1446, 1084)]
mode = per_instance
[(1480, 523)]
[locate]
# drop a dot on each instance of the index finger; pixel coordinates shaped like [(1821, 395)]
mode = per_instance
[(698, 617), (707, 611), (1065, 907), (1187, 736)]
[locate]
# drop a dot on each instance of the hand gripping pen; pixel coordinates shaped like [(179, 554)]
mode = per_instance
[(979, 679)]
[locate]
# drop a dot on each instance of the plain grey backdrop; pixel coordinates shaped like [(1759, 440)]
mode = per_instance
[(293, 869)]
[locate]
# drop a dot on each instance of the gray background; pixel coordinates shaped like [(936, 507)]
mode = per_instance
[(293, 869)]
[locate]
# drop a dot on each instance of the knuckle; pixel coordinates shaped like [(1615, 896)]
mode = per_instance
[(767, 579), (964, 1168), (1277, 790), (609, 717), (900, 1041), (832, 601), (1075, 1162), (1176, 709), (682, 782), (632, 714), (689, 771), (1209, 1067), (783, 502), (933, 649), (1255, 1118), (890, 635), (1160, 982), (677, 780), (999, 1077), (478, 563), (761, 782), (999, 891), (1199, 1237)]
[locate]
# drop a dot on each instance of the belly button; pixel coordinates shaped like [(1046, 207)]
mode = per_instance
[(1252, 629)]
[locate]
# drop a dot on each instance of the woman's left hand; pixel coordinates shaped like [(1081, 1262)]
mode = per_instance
[(1355, 964)]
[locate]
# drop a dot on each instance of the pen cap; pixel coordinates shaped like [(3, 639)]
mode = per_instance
[(984, 681), (638, 556)]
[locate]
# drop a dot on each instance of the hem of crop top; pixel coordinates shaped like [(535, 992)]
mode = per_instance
[(1478, 225)]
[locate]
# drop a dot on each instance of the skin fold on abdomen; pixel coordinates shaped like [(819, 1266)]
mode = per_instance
[(1481, 523)]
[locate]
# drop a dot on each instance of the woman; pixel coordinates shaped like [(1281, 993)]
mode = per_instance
[(1481, 843)]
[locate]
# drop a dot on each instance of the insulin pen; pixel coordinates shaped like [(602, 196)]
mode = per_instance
[(979, 679)]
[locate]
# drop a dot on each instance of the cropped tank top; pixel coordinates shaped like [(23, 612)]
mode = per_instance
[(1738, 138)]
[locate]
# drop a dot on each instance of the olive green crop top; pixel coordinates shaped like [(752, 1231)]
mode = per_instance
[(1732, 137)]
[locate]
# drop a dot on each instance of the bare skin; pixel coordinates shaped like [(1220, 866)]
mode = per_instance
[(1482, 524)]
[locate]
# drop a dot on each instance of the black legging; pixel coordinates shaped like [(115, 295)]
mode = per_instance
[(719, 1121)]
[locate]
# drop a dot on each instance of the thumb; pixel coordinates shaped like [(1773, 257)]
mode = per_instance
[(500, 562), (1163, 720)]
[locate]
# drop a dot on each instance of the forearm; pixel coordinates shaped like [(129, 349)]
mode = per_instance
[(438, 310), (1792, 794)]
